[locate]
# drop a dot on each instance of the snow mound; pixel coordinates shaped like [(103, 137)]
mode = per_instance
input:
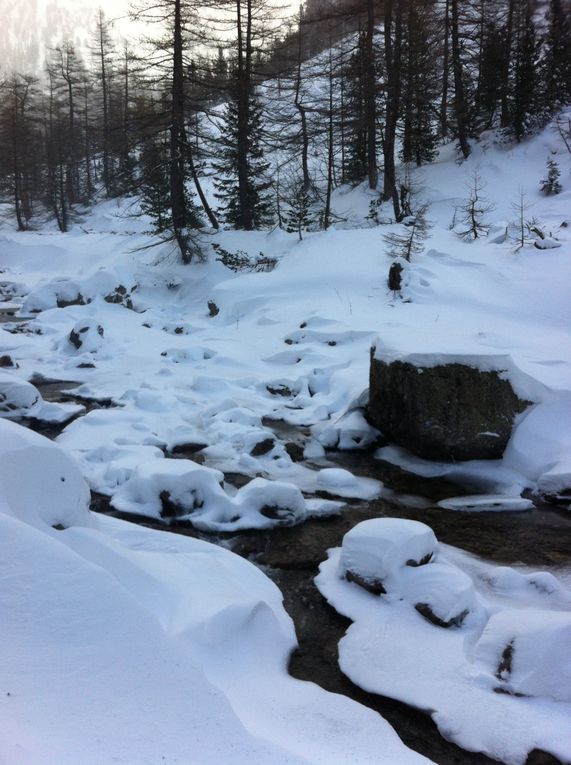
[(39, 483), (166, 488), (527, 652), (350, 431), (380, 548)]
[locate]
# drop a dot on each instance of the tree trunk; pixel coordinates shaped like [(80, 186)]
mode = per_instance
[(370, 93), (459, 96), (393, 69), (177, 142)]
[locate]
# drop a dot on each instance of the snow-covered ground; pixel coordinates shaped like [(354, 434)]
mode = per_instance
[(132, 644)]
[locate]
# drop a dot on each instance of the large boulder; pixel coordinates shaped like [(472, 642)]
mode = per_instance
[(443, 411)]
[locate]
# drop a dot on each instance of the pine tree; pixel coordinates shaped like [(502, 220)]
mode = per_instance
[(298, 217), (355, 129), (154, 186), (254, 195), (419, 80), (551, 184)]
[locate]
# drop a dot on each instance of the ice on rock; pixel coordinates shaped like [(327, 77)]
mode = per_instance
[(378, 549), (39, 483), (527, 652)]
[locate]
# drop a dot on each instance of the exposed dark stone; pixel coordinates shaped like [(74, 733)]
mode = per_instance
[(179, 330), (421, 562), (288, 341), (539, 757), (425, 610), (7, 361), (77, 300), (86, 365), (331, 343), (279, 390), (190, 448), (121, 296), (395, 277), (285, 515), (504, 669), (295, 452), (58, 527), (213, 309), (445, 412), (262, 447), (374, 586), (170, 509), (75, 337)]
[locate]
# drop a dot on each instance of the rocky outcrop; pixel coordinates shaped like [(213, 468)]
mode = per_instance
[(446, 411)]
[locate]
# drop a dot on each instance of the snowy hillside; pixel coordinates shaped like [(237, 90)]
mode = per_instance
[(133, 645)]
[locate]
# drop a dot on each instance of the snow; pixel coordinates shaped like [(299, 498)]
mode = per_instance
[(21, 399), (453, 673), (123, 644)]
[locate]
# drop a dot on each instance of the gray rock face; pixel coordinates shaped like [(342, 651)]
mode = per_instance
[(445, 412)]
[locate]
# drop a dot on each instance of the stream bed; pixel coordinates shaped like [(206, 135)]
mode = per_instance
[(290, 556)]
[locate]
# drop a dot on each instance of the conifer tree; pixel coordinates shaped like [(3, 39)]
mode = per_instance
[(245, 197), (298, 217), (551, 185)]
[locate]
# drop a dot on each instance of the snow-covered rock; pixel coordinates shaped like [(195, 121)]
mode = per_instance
[(20, 399), (181, 488), (86, 336), (39, 483), (378, 549), (441, 592), (527, 652)]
